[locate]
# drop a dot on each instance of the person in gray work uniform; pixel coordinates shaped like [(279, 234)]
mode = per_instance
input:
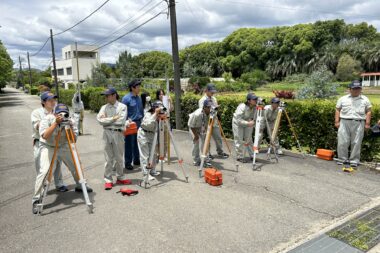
[(197, 124), (48, 102), (270, 114), (352, 116), (145, 137), (50, 126), (112, 117), (78, 108), (242, 125), (216, 135)]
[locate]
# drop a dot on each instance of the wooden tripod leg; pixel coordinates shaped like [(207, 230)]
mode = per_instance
[(294, 133), (206, 145), (224, 137)]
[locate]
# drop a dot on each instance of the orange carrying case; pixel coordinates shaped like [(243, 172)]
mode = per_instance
[(213, 177), (325, 154), (132, 129)]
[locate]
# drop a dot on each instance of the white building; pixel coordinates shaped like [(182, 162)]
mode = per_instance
[(371, 79), (88, 56)]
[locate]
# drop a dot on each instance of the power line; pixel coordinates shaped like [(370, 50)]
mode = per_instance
[(126, 23), (130, 31), (39, 50), (68, 29)]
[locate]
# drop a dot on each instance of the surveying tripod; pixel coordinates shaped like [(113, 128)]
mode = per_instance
[(277, 126), (253, 149), (77, 164), (159, 138), (206, 144)]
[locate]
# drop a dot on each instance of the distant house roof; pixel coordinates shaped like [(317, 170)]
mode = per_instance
[(370, 74)]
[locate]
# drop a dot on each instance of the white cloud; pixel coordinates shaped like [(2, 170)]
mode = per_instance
[(26, 23)]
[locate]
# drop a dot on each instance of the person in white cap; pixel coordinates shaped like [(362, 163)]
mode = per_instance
[(78, 108)]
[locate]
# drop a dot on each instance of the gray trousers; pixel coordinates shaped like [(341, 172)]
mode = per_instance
[(350, 134), (271, 127), (58, 181), (242, 136), (145, 143), (216, 135), (114, 155), (64, 155), (197, 147)]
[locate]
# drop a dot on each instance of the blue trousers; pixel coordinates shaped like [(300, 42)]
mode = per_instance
[(131, 150)]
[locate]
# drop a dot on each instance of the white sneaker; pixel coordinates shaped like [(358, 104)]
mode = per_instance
[(155, 173), (280, 152), (150, 178)]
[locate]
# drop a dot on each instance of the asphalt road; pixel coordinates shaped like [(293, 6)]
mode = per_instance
[(263, 211)]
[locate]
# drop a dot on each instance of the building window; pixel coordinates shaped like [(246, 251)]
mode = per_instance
[(66, 55), (69, 54), (60, 72), (69, 71)]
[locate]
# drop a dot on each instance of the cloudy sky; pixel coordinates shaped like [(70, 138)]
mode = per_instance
[(25, 24)]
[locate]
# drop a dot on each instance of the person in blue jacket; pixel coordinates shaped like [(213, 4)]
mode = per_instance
[(135, 113)]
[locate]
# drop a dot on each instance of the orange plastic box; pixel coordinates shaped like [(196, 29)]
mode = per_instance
[(325, 154), (213, 177), (132, 129)]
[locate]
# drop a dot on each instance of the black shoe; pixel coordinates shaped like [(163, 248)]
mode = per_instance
[(79, 189), (63, 188), (223, 155), (210, 157), (242, 160), (129, 167), (35, 207), (136, 164)]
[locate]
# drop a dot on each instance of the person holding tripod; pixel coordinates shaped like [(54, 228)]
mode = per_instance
[(197, 124), (52, 126), (145, 137), (216, 134), (242, 125), (48, 102), (270, 116)]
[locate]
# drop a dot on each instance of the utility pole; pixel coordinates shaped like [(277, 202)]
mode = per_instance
[(21, 76), (30, 72), (177, 80), (77, 59), (54, 67)]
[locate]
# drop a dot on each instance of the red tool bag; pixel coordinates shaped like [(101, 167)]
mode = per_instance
[(325, 154), (132, 129), (213, 177)]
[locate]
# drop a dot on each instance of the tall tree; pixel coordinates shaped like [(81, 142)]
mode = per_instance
[(6, 66)]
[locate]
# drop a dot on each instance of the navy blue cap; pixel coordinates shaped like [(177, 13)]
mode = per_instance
[(275, 101), (109, 91), (47, 95), (211, 87), (356, 84), (252, 96), (134, 83), (207, 103), (61, 108)]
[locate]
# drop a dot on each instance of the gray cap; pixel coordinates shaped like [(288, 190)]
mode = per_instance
[(211, 87), (252, 96)]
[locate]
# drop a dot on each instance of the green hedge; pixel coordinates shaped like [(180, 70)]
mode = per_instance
[(312, 119)]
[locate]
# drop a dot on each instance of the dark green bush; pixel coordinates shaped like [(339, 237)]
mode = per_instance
[(313, 121), (34, 91)]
